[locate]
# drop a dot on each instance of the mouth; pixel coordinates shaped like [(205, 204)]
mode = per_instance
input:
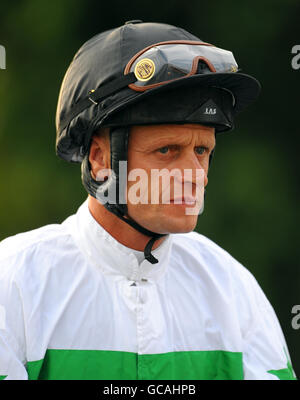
[(187, 201)]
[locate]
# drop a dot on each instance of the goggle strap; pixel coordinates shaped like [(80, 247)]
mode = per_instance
[(95, 96)]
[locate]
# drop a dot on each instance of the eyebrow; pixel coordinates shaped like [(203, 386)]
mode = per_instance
[(160, 142)]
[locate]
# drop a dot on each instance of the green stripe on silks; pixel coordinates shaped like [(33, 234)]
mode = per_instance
[(114, 365), (284, 373), (208, 365), (34, 368), (83, 364), (2, 377)]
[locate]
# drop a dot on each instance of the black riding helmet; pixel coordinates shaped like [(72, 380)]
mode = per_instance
[(141, 74)]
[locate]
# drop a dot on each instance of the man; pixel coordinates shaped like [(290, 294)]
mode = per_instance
[(124, 289)]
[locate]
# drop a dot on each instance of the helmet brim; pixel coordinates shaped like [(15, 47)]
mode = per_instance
[(244, 88)]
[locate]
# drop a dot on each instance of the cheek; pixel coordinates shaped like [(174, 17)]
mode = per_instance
[(138, 184), (139, 177)]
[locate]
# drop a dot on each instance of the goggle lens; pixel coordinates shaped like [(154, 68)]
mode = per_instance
[(162, 63)]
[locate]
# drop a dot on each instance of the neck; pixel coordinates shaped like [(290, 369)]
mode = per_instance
[(118, 229)]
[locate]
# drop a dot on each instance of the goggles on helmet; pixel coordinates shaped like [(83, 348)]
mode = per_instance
[(167, 61)]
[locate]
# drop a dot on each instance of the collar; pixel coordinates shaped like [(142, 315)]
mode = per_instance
[(111, 256)]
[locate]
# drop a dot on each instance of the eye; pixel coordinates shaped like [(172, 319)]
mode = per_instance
[(164, 150), (200, 150)]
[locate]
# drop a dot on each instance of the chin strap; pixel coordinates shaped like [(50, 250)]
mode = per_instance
[(154, 236), (147, 251)]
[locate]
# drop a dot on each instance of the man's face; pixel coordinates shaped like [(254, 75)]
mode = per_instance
[(170, 147)]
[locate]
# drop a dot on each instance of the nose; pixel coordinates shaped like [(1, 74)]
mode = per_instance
[(190, 162)]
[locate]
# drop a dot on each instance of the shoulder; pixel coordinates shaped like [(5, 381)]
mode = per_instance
[(32, 247), (222, 276), (209, 259), (196, 242), (203, 250)]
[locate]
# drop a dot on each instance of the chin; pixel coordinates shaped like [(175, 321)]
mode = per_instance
[(166, 220), (175, 220), (168, 224), (186, 225)]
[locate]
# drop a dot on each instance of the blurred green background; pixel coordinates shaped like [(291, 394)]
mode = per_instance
[(252, 199)]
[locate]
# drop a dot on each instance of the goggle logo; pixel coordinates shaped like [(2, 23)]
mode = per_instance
[(144, 69)]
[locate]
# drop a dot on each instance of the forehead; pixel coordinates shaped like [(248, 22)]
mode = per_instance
[(169, 133)]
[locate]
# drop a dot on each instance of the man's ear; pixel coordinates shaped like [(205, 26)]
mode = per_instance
[(99, 155)]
